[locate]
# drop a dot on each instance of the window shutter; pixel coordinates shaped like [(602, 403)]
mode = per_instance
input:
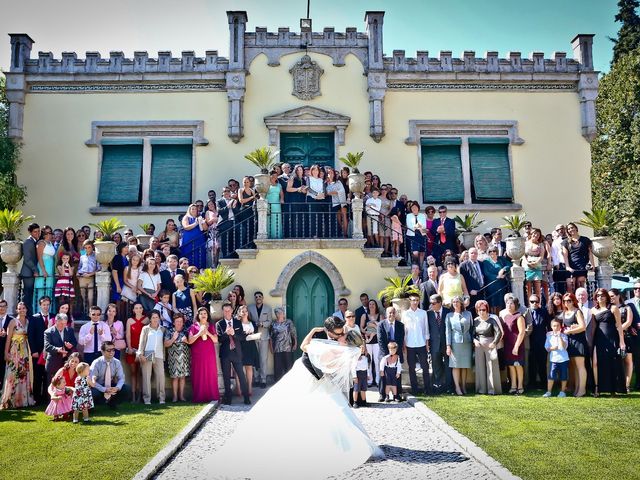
[(170, 173), (442, 170), (121, 174), (490, 170)]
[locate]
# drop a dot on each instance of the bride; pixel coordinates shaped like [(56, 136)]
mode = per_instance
[(303, 426)]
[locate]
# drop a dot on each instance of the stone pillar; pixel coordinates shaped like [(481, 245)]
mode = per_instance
[(235, 78), (10, 285), (517, 283), (237, 27), (582, 45), (587, 84), (356, 210), (262, 207), (604, 273), (374, 36), (103, 285)]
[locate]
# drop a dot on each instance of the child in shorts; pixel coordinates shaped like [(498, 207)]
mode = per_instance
[(556, 344)]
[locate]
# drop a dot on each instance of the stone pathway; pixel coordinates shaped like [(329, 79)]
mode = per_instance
[(414, 447)]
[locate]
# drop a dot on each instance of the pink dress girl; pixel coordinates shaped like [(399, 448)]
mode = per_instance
[(396, 229), (64, 285), (61, 397)]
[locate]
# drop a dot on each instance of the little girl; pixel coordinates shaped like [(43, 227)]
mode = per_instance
[(361, 378), (82, 398), (60, 404), (64, 286), (396, 232), (391, 369)]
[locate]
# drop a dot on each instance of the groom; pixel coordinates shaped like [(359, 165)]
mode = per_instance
[(231, 335), (333, 330)]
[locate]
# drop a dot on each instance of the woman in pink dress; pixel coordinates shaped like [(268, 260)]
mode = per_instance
[(204, 366)]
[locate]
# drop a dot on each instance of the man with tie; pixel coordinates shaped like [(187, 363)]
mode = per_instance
[(261, 315), (443, 230), (230, 335), (38, 323), (109, 377), (167, 276), (429, 287), (472, 274), (29, 265), (634, 303), (93, 334), (390, 330), (442, 376), (59, 342), (4, 325), (416, 338), (538, 322), (496, 241)]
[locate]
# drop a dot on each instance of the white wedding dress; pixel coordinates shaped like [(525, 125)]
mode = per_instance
[(302, 428)]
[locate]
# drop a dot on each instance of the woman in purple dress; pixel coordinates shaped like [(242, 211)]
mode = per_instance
[(514, 333), (204, 367)]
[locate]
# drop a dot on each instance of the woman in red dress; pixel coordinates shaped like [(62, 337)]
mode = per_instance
[(134, 328), (204, 367)]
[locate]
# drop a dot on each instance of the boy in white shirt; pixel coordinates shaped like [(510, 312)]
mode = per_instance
[(556, 344), (372, 208), (391, 369), (360, 378)]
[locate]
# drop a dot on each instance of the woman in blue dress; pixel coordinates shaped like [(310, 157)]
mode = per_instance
[(44, 282), (194, 241), (274, 198), (495, 269)]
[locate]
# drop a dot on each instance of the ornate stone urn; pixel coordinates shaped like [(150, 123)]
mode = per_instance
[(602, 248), (262, 183), (215, 309), (105, 251), (143, 241), (467, 239), (11, 253), (515, 248), (401, 305), (356, 184)]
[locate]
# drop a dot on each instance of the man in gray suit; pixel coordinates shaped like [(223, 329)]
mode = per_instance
[(442, 376), (59, 342), (261, 315), (29, 265)]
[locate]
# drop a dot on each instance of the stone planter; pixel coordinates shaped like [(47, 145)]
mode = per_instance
[(215, 308), (467, 239), (515, 248), (143, 241), (105, 251), (11, 253), (356, 184), (262, 183), (602, 248), (401, 305)]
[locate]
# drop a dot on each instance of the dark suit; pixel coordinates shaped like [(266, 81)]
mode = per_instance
[(474, 281), (53, 341), (359, 312), (502, 248), (384, 328), (635, 310), (449, 241), (35, 334), (166, 281), (229, 357), (427, 288), (3, 342), (28, 271), (227, 228), (442, 376)]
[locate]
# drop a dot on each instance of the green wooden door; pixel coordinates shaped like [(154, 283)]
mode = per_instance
[(307, 148), (310, 299)]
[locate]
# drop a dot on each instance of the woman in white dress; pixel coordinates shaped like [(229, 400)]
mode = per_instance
[(318, 434)]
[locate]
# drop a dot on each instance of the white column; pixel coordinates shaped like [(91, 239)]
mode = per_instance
[(517, 283), (356, 209), (262, 208), (10, 285), (103, 285), (603, 274)]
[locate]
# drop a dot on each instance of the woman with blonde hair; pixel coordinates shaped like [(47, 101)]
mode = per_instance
[(194, 240)]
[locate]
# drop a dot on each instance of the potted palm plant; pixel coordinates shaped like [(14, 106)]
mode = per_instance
[(144, 238), (11, 222), (466, 226), (602, 222), (356, 179), (515, 242), (213, 281), (106, 248), (398, 292), (263, 158)]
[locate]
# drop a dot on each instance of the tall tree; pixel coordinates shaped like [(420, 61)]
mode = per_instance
[(629, 33), (615, 157), (11, 194)]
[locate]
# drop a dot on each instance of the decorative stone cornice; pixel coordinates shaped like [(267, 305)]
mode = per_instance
[(306, 117), (431, 128), (154, 128)]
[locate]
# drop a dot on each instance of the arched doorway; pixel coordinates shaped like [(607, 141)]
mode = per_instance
[(310, 299)]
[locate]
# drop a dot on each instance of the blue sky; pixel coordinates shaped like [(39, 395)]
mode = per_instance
[(456, 25)]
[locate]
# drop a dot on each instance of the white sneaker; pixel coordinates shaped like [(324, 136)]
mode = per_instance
[(547, 395), (562, 395)]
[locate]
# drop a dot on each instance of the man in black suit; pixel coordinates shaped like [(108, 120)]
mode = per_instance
[(496, 241), (429, 287), (38, 323), (29, 265), (59, 342), (442, 376), (390, 330), (363, 308), (4, 324), (228, 209), (443, 230), (230, 336), (471, 271), (167, 276)]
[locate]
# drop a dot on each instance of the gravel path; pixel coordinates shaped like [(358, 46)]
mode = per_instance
[(414, 447)]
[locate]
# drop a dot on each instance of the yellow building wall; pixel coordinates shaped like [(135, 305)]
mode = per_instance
[(550, 170)]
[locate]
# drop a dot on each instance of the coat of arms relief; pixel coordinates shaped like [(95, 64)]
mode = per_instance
[(306, 78)]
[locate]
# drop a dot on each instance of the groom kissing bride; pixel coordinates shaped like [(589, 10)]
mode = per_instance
[(303, 414)]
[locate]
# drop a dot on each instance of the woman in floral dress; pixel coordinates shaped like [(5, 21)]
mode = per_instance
[(178, 355), (18, 380)]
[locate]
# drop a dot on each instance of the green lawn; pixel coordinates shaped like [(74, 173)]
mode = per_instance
[(116, 444), (542, 438)]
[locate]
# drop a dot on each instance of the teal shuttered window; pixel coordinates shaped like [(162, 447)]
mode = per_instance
[(171, 173), (442, 180), (121, 174), (490, 170)]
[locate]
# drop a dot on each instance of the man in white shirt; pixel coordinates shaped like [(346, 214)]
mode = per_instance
[(93, 334), (343, 305), (107, 370), (416, 337), (557, 257)]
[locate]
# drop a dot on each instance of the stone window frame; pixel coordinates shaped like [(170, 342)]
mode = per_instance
[(463, 129), (145, 130)]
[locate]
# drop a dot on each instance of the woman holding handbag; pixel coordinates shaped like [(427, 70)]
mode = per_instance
[(151, 357), (149, 284)]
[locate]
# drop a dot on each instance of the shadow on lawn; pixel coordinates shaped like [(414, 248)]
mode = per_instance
[(18, 415), (410, 455)]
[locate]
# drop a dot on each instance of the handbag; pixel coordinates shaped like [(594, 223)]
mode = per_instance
[(120, 344)]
